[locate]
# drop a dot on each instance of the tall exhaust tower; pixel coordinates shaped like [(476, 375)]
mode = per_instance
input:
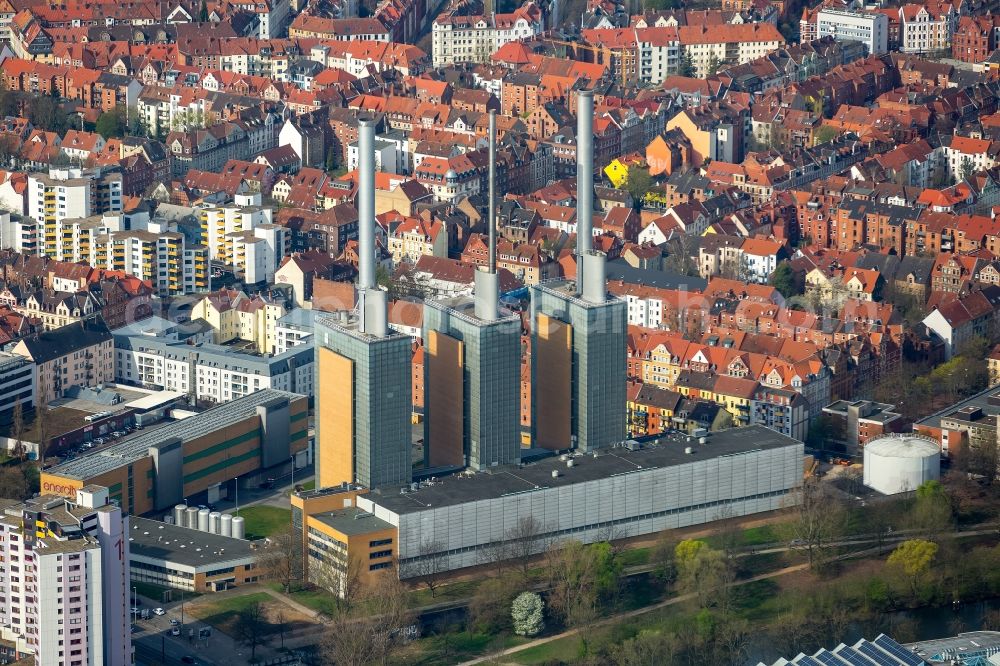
[(363, 394), (472, 362), (578, 360)]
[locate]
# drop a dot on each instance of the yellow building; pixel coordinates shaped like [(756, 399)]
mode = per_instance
[(342, 545), (235, 316), (617, 172)]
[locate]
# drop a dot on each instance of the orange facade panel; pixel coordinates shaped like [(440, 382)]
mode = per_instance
[(445, 400), (553, 374), (335, 407)]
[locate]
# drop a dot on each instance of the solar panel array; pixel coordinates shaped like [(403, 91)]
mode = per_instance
[(883, 651)]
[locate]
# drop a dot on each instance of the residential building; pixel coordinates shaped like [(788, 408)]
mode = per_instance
[(67, 558), (70, 194), (75, 355), (17, 386), (158, 354), (871, 29), (235, 316), (415, 237), (959, 320), (461, 39), (927, 28)]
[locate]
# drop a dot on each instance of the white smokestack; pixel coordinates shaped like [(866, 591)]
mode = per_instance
[(584, 179), (366, 204), (488, 282), (493, 193)]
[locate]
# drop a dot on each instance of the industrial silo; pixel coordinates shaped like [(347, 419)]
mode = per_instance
[(900, 463)]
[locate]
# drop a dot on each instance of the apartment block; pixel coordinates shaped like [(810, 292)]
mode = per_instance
[(460, 39), (67, 194), (871, 29), (74, 355), (64, 590)]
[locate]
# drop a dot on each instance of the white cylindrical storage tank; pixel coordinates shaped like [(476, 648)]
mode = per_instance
[(238, 529), (203, 519), (192, 518), (214, 519), (900, 463), (179, 510), (226, 525)]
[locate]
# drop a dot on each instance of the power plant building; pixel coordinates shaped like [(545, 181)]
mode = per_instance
[(627, 491), (363, 396), (578, 359), (472, 367)]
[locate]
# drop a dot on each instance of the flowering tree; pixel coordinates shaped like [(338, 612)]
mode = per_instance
[(528, 612)]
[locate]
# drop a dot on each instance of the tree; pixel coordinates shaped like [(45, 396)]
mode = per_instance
[(912, 560), (203, 12), (817, 517), (786, 281), (638, 184), (17, 428), (45, 113), (524, 540), (430, 565), (112, 123), (252, 628), (375, 636), (687, 67), (646, 649), (932, 511), (344, 582), (701, 571), (488, 608), (966, 169), (581, 580), (713, 65), (281, 558), (824, 134), (528, 614), (14, 483)]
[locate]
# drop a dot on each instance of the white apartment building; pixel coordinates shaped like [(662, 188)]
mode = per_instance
[(719, 44), (924, 31), (70, 194), (21, 234), (217, 223), (459, 39), (658, 51), (257, 254), (157, 354), (160, 254), (872, 30), (64, 585)]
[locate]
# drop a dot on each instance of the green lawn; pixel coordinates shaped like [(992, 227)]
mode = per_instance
[(316, 598), (221, 612), (455, 591), (263, 521), (454, 647), (309, 485)]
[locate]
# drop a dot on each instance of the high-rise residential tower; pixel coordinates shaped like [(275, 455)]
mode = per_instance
[(472, 367), (64, 595), (363, 377), (578, 359)]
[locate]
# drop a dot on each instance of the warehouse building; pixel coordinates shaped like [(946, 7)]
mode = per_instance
[(182, 558), (158, 468), (676, 482)]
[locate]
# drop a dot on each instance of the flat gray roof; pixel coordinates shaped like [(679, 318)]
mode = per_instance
[(980, 400), (667, 451), (137, 446), (170, 543), (352, 521)]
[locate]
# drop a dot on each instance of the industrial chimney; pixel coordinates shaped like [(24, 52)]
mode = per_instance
[(372, 301), (488, 282), (584, 180)]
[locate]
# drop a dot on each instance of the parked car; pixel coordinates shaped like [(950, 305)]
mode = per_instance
[(159, 611), (175, 631)]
